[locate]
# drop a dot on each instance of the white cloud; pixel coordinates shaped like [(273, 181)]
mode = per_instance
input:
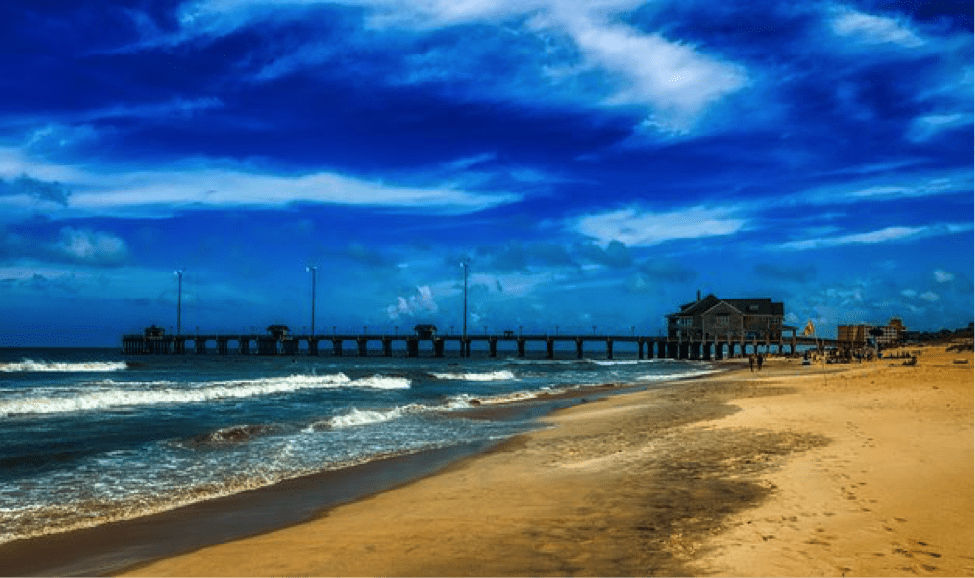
[(636, 228), (869, 30), (943, 276), (674, 81), (909, 293), (91, 246), (420, 303), (886, 188), (926, 127), (929, 296), (160, 192), (885, 235)]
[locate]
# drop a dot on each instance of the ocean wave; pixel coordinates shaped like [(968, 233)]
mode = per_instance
[(357, 417), (500, 375), (466, 401), (29, 365), (113, 397), (229, 435)]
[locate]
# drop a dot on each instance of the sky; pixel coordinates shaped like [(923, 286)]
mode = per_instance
[(598, 163)]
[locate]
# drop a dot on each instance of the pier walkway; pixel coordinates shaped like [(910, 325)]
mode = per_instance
[(270, 344)]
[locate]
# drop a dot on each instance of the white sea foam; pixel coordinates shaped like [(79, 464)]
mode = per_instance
[(28, 365), (465, 400), (382, 382), (108, 397), (358, 417), (610, 362), (500, 375), (671, 376)]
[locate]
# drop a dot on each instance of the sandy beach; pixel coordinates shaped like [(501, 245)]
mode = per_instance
[(794, 470)]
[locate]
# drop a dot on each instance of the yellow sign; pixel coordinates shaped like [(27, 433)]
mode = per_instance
[(810, 328)]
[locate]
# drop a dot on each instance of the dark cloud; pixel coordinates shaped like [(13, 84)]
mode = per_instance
[(788, 273), (41, 190), (516, 256), (667, 271), (616, 255)]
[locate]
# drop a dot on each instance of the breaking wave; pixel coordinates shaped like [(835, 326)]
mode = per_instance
[(104, 396), (27, 365), (358, 417), (500, 375)]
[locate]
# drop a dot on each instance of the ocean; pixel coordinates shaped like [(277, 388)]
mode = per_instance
[(88, 436)]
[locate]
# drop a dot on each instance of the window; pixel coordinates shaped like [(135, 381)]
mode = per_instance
[(721, 321), (684, 321)]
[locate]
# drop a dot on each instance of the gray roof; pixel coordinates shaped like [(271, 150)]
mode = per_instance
[(764, 306)]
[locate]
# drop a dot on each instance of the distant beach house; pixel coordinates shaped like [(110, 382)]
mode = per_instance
[(711, 317), (857, 335)]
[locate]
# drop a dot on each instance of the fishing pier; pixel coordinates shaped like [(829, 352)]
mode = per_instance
[(281, 343)]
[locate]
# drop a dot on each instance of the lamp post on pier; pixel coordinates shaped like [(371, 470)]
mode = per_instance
[(466, 264), (179, 298), (313, 270)]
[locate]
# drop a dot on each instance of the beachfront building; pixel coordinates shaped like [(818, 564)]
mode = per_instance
[(743, 320), (858, 334)]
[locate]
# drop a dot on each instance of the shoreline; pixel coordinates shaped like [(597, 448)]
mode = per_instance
[(116, 546), (858, 470), (789, 471)]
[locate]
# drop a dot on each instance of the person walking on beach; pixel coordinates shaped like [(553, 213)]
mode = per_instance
[(751, 363), (760, 360)]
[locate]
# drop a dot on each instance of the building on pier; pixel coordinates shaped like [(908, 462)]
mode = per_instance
[(740, 319)]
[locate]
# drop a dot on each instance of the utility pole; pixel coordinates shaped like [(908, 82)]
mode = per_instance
[(466, 264), (179, 298), (314, 270)]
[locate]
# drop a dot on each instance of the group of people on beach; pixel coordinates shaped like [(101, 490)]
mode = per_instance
[(752, 359)]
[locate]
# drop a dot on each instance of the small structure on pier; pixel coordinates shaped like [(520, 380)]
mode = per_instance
[(154, 332), (425, 331)]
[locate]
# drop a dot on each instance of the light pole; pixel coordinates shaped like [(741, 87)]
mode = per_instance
[(466, 264), (179, 298), (314, 270)]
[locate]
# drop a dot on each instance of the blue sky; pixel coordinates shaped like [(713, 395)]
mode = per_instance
[(598, 163)]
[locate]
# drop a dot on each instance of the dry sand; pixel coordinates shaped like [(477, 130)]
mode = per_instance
[(796, 470)]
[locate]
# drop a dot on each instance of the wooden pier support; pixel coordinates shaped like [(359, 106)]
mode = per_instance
[(412, 347), (387, 347), (609, 349), (267, 346), (337, 347), (361, 343), (578, 348), (550, 348), (289, 347), (493, 347), (312, 346), (521, 347), (438, 345)]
